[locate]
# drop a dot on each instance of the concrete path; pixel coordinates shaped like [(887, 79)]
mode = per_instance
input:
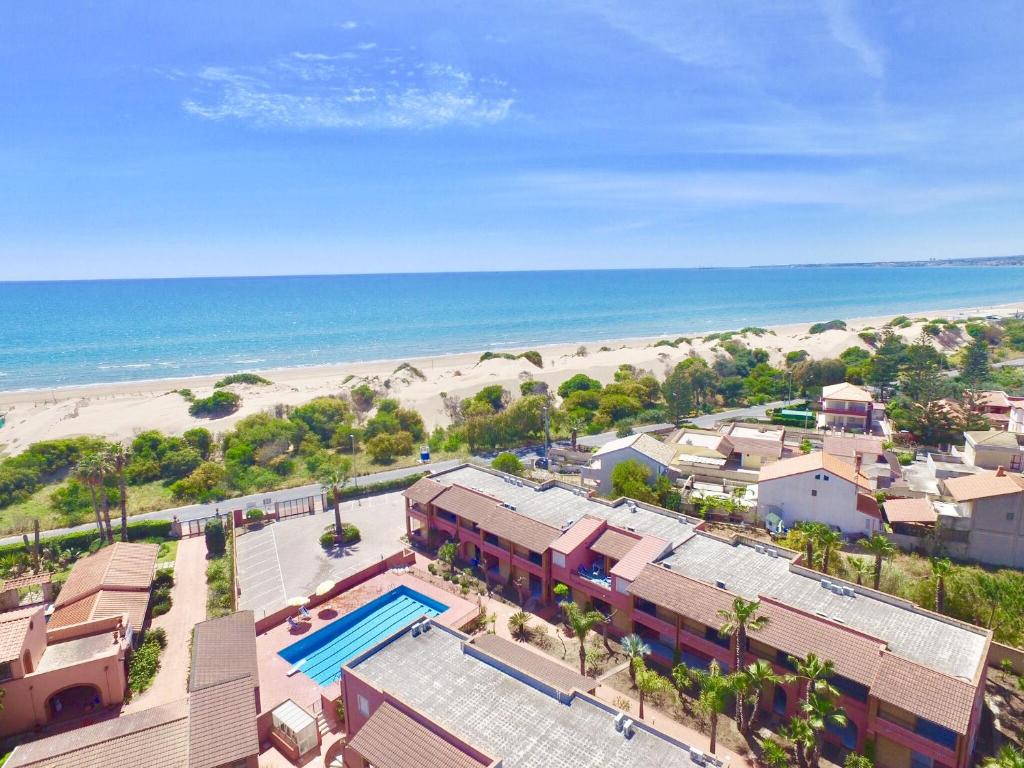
[(188, 608)]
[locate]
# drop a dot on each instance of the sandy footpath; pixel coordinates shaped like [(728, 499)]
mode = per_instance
[(119, 411)]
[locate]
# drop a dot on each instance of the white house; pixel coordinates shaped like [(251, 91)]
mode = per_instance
[(652, 453), (817, 487), (846, 407)]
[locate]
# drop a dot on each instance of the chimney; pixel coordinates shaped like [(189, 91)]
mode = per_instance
[(1000, 471)]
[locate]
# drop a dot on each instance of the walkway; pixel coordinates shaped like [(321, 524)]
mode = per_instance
[(188, 608)]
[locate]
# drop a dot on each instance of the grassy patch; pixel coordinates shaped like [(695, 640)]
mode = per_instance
[(220, 585)]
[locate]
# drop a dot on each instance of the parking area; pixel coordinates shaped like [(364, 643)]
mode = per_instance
[(285, 559)]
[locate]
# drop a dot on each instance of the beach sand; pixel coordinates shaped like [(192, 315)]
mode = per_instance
[(120, 411)]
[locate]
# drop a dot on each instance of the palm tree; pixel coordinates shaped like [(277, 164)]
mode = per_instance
[(574, 424), (860, 568), (105, 469), (634, 648), (773, 754), (715, 689), (118, 456), (738, 622), (816, 672), (753, 680), (89, 474), (581, 622), (1008, 757), (518, 625), (942, 568), (829, 540), (333, 479), (879, 546), (799, 731), (648, 682), (820, 710)]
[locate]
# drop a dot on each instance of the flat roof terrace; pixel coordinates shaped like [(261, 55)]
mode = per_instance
[(558, 506), (945, 646), (505, 716)]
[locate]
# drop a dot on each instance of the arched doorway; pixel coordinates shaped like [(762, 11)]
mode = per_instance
[(779, 701), (73, 702), (26, 662)]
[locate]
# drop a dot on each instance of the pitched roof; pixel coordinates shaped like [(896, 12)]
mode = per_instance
[(811, 462), (532, 663), (222, 724), (767, 443), (851, 445), (118, 566), (945, 700), (647, 550), (995, 438), (994, 399), (681, 594), (423, 490), (846, 391), (102, 604), (392, 739), (155, 738), (13, 630), (494, 518), (223, 649), (614, 544), (576, 534), (644, 444), (915, 510), (983, 485), (26, 581), (695, 442), (867, 505)]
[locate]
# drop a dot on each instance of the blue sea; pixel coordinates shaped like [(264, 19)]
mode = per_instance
[(56, 334)]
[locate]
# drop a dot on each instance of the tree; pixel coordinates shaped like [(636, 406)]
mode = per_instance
[(885, 365), (446, 554), (333, 476), (820, 710), (715, 689), (631, 478), (942, 568), (829, 540), (799, 731), (216, 539), (648, 682), (88, 471), (678, 393), (508, 463), (974, 369), (860, 568), (737, 622), (118, 456), (1008, 757), (853, 760), (816, 674), (574, 423), (973, 417), (518, 625), (578, 383), (752, 681), (773, 754), (634, 648), (879, 546), (581, 622)]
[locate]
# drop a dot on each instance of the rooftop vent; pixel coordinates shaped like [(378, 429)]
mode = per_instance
[(619, 720), (849, 591), (822, 614), (837, 589), (759, 548), (697, 756), (826, 584), (627, 728), (771, 552), (668, 565), (720, 584)]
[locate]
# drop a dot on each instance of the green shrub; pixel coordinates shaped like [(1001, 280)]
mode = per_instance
[(164, 579), (507, 462), (831, 325), (327, 539), (411, 370), (186, 393), (159, 635), (868, 337), (533, 356), (350, 534), (900, 321), (241, 378), (144, 664), (385, 447), (216, 406), (220, 586), (216, 539)]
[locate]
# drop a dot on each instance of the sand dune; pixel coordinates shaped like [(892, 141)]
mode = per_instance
[(119, 411)]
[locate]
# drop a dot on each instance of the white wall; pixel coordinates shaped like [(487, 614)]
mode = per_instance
[(835, 503)]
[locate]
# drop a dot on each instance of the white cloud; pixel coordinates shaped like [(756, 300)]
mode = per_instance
[(847, 32), (366, 46), (348, 24), (315, 90)]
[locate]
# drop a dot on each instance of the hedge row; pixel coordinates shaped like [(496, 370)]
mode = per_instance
[(81, 540), (373, 489)]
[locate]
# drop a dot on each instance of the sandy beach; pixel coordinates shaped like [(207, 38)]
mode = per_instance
[(119, 411)]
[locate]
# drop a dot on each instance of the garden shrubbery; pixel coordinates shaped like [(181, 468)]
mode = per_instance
[(217, 405), (145, 661)]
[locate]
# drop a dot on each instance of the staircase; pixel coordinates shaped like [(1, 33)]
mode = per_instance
[(322, 726)]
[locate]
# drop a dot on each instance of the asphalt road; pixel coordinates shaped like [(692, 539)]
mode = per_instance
[(753, 412), (197, 511)]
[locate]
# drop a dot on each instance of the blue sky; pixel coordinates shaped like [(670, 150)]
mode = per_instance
[(199, 138)]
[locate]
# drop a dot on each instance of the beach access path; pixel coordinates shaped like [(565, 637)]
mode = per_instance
[(199, 511)]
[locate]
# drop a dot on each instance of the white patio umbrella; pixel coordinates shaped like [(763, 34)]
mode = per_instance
[(297, 602), (324, 587)]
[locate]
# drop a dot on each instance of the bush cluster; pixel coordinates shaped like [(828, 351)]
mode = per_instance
[(145, 662), (241, 378), (218, 405)]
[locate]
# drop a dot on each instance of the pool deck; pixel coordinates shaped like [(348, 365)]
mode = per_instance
[(276, 686)]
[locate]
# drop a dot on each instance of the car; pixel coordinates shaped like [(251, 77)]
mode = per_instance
[(540, 463)]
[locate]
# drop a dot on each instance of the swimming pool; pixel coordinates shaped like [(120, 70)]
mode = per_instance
[(323, 652)]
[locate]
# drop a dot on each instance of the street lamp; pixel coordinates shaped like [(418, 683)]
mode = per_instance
[(355, 477)]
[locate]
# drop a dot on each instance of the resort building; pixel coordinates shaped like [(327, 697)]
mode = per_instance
[(431, 696), (991, 511), (994, 448), (213, 727), (115, 581), (818, 487), (755, 446), (846, 407), (910, 680), (649, 451)]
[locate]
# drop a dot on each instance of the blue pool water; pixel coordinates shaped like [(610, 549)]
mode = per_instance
[(327, 649)]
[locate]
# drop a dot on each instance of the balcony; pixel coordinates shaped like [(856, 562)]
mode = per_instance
[(527, 565), (839, 409), (651, 621), (904, 735)]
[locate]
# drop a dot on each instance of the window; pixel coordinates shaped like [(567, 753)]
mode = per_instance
[(5, 671), (1010, 515), (362, 705), (936, 733), (917, 760), (558, 559), (817, 476), (825, 478), (850, 688), (814, 493)]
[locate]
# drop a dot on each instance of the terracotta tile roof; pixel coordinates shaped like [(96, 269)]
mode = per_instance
[(155, 738), (867, 505), (646, 551), (983, 485), (811, 462), (534, 664), (100, 605), (75, 613), (14, 629), (577, 534), (222, 724), (754, 446), (644, 444), (681, 594), (26, 581), (846, 391), (423, 490), (944, 700), (118, 566), (994, 399), (494, 518), (614, 544), (851, 445), (910, 511), (392, 739), (223, 649)]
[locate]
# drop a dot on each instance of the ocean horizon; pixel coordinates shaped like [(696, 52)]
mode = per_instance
[(67, 333)]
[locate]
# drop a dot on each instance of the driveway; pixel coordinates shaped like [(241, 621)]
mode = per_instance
[(285, 559)]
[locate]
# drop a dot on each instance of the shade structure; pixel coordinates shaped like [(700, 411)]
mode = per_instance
[(324, 587), (297, 601)]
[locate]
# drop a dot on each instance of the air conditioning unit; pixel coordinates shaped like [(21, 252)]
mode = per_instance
[(416, 629), (849, 591), (619, 720), (627, 728), (826, 584), (720, 584), (426, 625), (697, 756), (759, 548), (771, 552)]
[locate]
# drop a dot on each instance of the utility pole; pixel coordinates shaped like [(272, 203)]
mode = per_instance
[(547, 437), (355, 476)]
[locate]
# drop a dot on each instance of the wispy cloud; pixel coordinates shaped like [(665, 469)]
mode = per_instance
[(350, 24), (366, 46), (309, 90), (847, 32)]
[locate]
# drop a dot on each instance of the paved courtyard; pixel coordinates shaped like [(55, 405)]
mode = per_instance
[(285, 560)]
